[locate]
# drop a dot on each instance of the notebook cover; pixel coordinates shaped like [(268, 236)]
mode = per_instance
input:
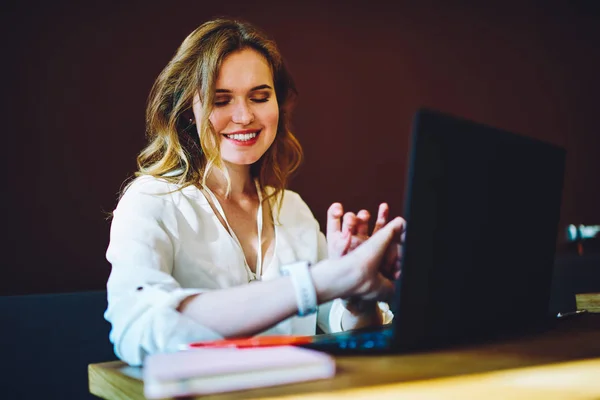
[(206, 362)]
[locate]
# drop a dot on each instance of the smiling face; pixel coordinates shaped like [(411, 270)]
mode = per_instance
[(245, 113)]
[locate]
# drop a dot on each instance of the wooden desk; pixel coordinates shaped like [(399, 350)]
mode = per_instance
[(561, 363)]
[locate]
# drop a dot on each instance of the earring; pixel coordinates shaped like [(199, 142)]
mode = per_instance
[(190, 127)]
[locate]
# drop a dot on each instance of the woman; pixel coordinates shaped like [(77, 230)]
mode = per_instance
[(202, 240)]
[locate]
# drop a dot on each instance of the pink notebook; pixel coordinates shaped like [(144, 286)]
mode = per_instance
[(205, 371)]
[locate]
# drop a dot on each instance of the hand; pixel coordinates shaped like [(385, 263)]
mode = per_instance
[(376, 262), (365, 312), (343, 237)]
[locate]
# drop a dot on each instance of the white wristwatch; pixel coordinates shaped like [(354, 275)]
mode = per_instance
[(306, 296)]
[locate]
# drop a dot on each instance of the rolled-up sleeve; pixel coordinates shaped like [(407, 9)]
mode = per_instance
[(143, 296)]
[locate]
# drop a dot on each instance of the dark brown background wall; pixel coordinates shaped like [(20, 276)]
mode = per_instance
[(75, 78)]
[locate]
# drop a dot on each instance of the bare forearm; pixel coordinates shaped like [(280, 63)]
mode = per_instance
[(244, 310), (250, 309)]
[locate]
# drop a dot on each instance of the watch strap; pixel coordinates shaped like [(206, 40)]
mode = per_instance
[(304, 288)]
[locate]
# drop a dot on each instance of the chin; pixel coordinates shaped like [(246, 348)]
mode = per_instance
[(242, 157), (241, 160)]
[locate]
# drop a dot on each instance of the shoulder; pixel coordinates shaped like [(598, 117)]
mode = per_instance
[(292, 197), (147, 185), (298, 224), (293, 200), (294, 207), (148, 195)]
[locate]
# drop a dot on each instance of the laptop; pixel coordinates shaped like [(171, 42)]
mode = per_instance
[(482, 208)]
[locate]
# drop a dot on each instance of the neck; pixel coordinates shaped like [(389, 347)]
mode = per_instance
[(242, 184)]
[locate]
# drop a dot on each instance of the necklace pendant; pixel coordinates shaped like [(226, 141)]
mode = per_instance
[(253, 278)]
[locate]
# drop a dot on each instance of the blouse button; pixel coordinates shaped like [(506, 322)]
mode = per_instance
[(139, 288)]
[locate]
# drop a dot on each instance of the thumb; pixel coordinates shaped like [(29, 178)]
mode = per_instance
[(373, 249)]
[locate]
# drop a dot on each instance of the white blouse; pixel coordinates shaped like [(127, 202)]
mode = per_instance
[(167, 244)]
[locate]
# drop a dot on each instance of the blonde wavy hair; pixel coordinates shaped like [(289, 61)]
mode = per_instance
[(183, 155)]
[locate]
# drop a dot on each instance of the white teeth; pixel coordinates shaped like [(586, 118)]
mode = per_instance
[(242, 137)]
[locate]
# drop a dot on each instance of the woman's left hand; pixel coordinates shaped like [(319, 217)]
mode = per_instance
[(345, 232)]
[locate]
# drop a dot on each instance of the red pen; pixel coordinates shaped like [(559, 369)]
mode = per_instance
[(258, 341)]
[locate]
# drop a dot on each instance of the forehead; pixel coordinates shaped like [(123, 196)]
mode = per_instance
[(243, 70)]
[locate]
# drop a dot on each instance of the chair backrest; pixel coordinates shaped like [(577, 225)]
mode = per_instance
[(47, 342)]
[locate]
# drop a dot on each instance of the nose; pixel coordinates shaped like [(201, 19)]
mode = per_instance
[(242, 114)]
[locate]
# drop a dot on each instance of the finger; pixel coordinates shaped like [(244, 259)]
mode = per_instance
[(340, 247), (399, 261), (390, 233), (389, 265), (362, 226), (355, 241), (334, 215), (349, 223), (347, 245), (382, 216), (374, 249), (398, 268), (400, 230)]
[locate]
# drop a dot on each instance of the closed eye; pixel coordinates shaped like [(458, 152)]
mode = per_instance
[(260, 97), (222, 101)]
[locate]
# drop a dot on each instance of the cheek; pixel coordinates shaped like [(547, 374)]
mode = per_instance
[(271, 118), (218, 120)]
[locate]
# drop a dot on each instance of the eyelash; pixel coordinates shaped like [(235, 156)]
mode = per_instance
[(224, 103)]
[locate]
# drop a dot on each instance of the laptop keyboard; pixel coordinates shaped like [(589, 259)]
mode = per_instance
[(353, 341)]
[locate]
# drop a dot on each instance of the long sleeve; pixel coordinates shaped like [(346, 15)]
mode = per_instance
[(142, 293)]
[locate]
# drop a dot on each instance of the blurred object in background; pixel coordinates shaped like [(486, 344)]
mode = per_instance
[(576, 279), (588, 301), (582, 232), (583, 238)]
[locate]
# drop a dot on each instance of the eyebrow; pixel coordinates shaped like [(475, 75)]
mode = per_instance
[(259, 87)]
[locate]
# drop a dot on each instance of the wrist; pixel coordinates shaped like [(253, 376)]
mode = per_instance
[(332, 280), (304, 288)]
